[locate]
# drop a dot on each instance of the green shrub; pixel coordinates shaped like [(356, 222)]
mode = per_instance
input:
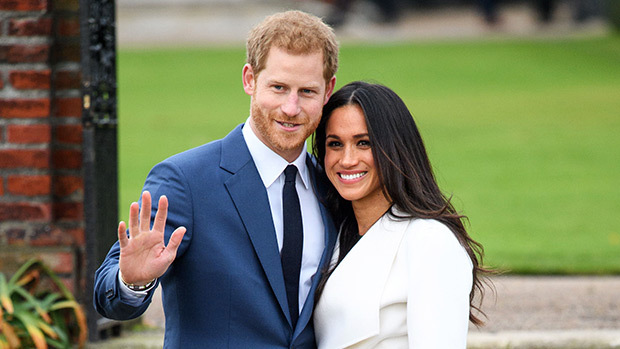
[(38, 311)]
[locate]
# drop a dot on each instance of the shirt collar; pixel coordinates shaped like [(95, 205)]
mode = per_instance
[(269, 164)]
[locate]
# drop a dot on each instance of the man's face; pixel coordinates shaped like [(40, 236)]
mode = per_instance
[(287, 99)]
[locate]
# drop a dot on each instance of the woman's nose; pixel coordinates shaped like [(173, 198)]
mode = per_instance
[(349, 157)]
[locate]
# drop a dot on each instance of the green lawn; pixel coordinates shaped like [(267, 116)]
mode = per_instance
[(523, 134)]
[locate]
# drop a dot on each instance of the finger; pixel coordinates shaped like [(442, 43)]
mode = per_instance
[(122, 234), (145, 212), (175, 241), (161, 215), (134, 221)]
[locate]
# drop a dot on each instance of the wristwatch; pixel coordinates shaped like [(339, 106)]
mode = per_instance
[(134, 287)]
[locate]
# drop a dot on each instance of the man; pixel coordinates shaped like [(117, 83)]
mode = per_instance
[(237, 265)]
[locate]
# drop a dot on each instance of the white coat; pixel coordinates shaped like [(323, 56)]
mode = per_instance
[(405, 284)]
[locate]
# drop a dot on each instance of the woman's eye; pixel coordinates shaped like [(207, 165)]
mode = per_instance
[(333, 144), (364, 143)]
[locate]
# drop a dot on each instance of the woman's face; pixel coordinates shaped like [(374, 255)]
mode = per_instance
[(349, 162)]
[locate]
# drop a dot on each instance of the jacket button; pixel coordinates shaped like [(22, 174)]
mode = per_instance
[(109, 293)]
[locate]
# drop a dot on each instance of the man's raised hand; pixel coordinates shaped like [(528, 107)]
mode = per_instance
[(144, 256)]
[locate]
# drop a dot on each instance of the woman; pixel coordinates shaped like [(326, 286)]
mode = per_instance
[(405, 271)]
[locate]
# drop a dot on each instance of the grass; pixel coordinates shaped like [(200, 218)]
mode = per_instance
[(523, 134)]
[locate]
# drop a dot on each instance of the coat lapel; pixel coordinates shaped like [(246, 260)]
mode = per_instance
[(350, 303), (250, 198)]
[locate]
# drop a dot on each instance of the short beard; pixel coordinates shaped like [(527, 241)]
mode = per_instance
[(261, 122)]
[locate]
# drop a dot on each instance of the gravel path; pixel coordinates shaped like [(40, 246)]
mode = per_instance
[(550, 312), (553, 303)]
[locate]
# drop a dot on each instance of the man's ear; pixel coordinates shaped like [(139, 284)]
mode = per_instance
[(249, 81), (329, 89)]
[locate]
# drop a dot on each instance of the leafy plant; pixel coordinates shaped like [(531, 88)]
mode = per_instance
[(35, 313)]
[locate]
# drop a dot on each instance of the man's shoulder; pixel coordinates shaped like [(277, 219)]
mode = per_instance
[(205, 153)]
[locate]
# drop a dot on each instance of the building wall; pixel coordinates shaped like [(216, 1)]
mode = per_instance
[(41, 180)]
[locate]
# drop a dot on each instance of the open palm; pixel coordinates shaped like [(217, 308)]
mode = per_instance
[(144, 255)]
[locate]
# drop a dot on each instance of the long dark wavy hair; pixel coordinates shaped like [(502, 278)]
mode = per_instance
[(405, 173)]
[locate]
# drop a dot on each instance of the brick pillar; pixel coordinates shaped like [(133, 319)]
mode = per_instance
[(41, 181)]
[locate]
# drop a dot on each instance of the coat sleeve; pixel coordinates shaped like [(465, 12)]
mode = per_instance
[(168, 179), (439, 283)]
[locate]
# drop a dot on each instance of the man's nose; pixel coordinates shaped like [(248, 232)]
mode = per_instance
[(291, 105)]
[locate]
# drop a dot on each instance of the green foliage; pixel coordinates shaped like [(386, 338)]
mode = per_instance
[(523, 133), (32, 316)]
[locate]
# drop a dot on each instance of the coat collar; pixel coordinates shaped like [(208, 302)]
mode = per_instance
[(235, 152), (348, 311)]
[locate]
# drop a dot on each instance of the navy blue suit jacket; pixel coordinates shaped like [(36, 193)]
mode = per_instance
[(225, 289)]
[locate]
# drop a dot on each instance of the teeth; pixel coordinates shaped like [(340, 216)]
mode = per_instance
[(352, 176), (286, 124)]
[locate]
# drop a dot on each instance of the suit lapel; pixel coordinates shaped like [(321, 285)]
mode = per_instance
[(250, 198)]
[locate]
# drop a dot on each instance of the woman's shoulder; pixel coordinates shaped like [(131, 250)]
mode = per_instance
[(416, 228), (429, 242), (429, 228), (433, 236)]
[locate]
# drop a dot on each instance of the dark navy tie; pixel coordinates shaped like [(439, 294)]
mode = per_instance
[(293, 241)]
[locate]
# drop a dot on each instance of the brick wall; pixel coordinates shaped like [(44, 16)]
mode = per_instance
[(41, 183)]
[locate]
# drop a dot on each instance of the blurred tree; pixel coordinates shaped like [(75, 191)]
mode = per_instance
[(613, 13)]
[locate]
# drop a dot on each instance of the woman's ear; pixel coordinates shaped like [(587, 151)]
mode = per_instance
[(249, 81)]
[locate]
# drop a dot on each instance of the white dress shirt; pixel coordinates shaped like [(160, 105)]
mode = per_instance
[(271, 167)]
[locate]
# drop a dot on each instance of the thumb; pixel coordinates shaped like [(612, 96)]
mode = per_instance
[(175, 241)]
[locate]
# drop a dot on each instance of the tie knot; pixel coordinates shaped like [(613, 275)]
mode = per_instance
[(289, 173)]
